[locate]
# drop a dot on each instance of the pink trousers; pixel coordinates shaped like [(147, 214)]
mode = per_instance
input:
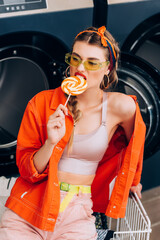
[(74, 223)]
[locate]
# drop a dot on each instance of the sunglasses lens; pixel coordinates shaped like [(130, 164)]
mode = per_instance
[(72, 60), (67, 59), (91, 65)]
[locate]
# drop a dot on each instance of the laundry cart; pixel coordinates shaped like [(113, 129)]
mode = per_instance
[(135, 226)]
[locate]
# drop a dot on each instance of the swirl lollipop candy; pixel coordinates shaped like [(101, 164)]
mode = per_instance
[(73, 86)]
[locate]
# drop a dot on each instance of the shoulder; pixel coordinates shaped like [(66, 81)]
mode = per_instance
[(46, 96), (40, 100), (42, 95), (121, 104)]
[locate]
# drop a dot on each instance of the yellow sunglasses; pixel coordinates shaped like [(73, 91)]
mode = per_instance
[(91, 65)]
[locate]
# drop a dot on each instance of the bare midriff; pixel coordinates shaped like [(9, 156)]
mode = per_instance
[(75, 179)]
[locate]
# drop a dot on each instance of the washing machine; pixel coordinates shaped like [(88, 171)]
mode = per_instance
[(34, 37), (136, 27)]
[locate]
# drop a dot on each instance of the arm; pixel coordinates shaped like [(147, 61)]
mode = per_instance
[(128, 120), (127, 115), (136, 186), (33, 153), (28, 143)]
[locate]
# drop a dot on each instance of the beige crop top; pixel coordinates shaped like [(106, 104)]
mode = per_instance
[(87, 150)]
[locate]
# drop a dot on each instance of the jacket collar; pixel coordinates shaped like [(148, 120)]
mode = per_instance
[(58, 97)]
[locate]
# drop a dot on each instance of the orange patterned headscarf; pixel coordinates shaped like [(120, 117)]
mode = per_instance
[(105, 42)]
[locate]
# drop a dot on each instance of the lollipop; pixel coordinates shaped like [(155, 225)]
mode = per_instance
[(73, 86)]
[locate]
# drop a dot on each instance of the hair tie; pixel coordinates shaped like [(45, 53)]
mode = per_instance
[(101, 31)]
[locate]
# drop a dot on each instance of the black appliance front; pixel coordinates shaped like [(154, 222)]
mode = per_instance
[(32, 49), (144, 42), (136, 26), (28, 65)]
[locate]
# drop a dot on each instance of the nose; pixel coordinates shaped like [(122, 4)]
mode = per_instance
[(81, 67)]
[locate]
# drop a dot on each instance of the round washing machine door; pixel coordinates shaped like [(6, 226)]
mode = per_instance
[(144, 41), (137, 77), (28, 64)]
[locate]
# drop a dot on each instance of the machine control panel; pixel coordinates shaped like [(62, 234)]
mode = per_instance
[(8, 6)]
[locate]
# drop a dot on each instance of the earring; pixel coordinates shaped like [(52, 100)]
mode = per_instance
[(67, 73), (107, 79), (105, 82)]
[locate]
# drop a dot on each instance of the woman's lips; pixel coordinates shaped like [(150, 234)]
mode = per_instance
[(80, 74)]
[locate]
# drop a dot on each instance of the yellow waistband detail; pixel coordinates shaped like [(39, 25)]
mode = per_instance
[(72, 190)]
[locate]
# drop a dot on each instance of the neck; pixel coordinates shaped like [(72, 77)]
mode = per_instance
[(90, 97)]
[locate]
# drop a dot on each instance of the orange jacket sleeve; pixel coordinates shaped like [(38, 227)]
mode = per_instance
[(137, 177), (28, 143)]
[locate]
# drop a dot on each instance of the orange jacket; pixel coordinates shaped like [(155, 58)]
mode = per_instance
[(36, 197)]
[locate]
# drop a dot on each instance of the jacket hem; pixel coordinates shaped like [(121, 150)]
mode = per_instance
[(30, 215)]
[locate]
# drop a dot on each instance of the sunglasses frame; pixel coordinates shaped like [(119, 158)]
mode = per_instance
[(100, 64)]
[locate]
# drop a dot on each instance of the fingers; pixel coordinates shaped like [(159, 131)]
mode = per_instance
[(139, 194), (61, 111), (139, 186), (57, 119), (56, 122), (137, 189)]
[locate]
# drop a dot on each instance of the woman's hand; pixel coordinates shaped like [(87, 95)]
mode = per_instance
[(56, 130), (56, 125), (137, 189)]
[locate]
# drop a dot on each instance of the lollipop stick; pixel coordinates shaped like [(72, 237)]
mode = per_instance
[(67, 100)]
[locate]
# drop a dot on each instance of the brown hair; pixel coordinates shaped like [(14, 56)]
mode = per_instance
[(91, 37)]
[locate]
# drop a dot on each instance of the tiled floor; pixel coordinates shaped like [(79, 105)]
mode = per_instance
[(151, 203)]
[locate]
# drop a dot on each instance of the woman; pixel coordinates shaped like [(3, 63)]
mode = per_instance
[(59, 166)]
